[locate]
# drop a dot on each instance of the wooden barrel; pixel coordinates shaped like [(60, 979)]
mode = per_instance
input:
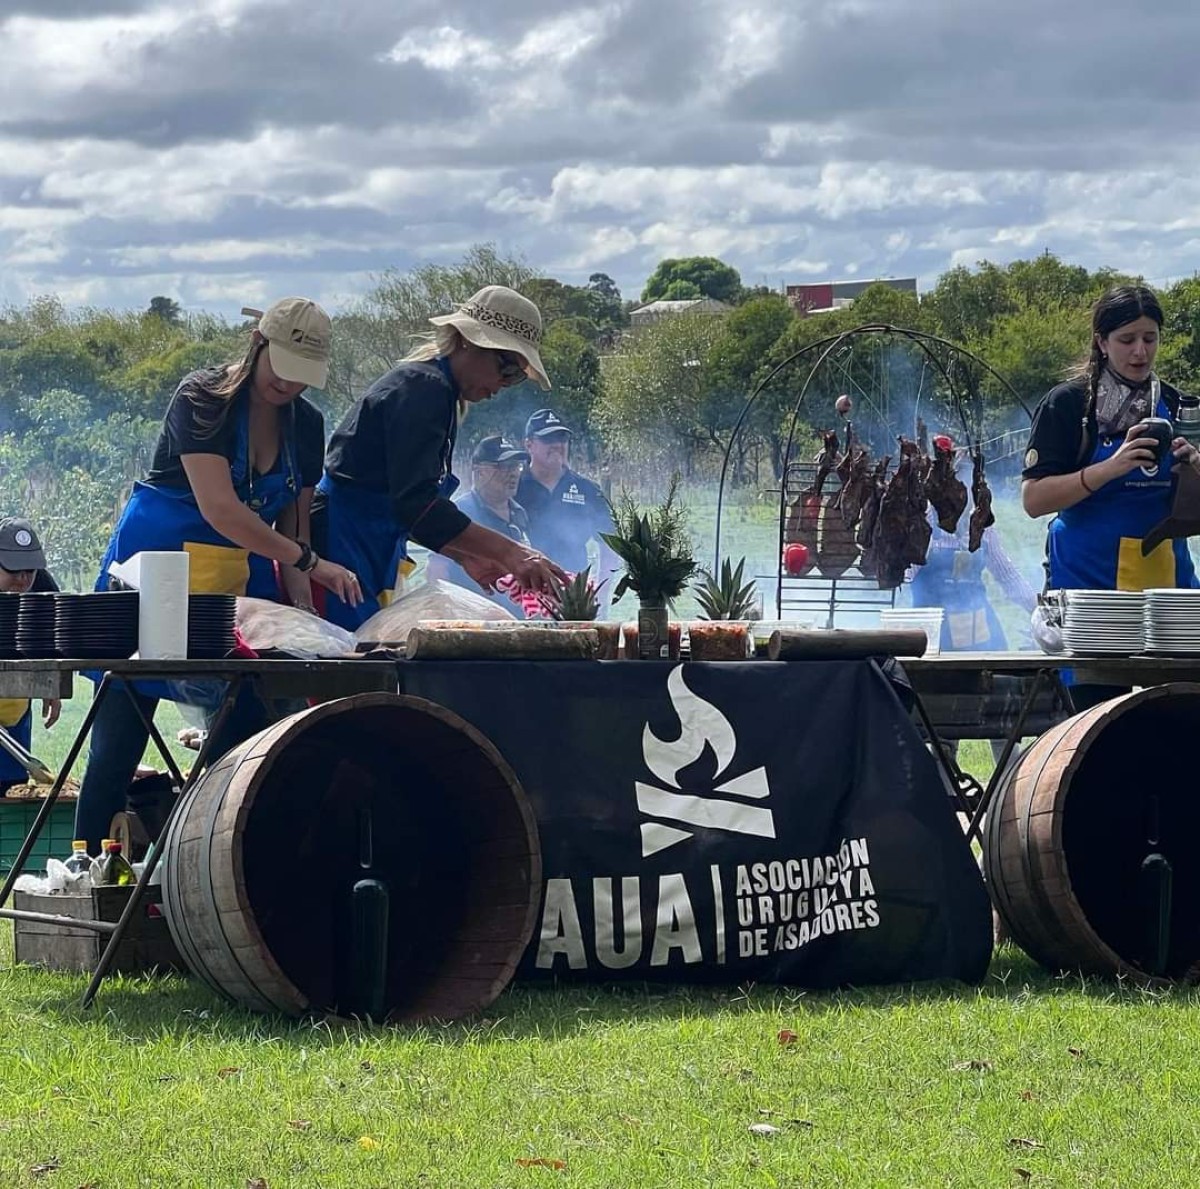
[(1074, 820), (262, 862)]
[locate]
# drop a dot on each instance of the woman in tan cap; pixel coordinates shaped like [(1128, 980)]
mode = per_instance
[(388, 466), (230, 484)]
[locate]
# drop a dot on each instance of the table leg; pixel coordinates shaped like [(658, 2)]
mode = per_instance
[(975, 825), (153, 732), (39, 822), (963, 785), (155, 855)]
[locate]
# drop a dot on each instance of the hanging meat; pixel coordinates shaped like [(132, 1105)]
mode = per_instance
[(855, 473), (869, 518), (902, 533), (836, 547), (982, 516), (946, 491)]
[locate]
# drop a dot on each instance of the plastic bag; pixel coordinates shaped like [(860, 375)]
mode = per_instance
[(438, 599), (1046, 625), (271, 627)]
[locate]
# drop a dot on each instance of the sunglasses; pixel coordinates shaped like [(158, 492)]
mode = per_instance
[(510, 366)]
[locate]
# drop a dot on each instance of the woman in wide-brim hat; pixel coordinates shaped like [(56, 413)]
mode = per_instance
[(388, 466)]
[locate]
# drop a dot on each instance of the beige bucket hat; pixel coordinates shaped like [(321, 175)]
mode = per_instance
[(299, 335), (501, 319)]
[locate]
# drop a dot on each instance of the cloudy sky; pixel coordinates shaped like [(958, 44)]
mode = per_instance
[(230, 151)]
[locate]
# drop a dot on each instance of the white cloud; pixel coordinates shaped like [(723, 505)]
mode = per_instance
[(150, 146)]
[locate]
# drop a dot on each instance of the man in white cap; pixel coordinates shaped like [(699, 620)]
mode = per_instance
[(566, 511), (388, 469)]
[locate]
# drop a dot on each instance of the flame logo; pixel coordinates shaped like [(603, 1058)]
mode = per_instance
[(701, 724)]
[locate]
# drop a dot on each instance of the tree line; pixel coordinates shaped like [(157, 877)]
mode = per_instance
[(82, 392)]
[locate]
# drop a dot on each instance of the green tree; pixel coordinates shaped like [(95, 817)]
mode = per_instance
[(166, 309), (693, 276), (659, 404)]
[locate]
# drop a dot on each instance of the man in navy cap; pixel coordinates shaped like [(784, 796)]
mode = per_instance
[(495, 470), (22, 569), (565, 509)]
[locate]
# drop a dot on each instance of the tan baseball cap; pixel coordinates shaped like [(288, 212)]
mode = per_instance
[(298, 334)]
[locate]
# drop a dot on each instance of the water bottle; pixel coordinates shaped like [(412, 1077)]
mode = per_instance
[(80, 861), (1187, 421)]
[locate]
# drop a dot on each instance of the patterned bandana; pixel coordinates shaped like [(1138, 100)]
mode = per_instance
[(1120, 404)]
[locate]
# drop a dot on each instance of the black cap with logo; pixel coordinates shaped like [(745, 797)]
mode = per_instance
[(496, 449), (543, 423), (20, 548)]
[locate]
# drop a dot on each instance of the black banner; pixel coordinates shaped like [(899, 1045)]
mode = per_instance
[(728, 822)]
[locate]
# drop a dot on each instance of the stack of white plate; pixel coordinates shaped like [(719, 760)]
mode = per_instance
[(1103, 621), (1173, 621)]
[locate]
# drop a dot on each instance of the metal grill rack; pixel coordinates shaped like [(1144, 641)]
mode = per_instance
[(852, 593)]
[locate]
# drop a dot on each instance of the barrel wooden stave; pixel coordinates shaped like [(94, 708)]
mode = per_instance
[(1025, 860), (211, 899)]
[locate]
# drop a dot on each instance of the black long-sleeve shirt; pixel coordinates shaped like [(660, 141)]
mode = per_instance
[(399, 438)]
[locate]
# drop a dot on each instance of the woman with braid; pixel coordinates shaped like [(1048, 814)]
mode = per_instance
[(1091, 465)]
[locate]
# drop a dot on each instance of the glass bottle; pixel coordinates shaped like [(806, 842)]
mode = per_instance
[(115, 870)]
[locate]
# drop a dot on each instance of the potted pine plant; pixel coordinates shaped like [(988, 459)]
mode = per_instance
[(579, 605), (656, 549), (726, 604)]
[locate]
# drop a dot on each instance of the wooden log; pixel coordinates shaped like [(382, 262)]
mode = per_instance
[(844, 645), (540, 644)]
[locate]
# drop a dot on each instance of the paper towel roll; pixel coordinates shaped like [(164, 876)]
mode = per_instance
[(162, 605)]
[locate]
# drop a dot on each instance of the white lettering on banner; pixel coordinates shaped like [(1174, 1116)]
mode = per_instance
[(779, 905), (701, 725), (675, 927), (631, 923)]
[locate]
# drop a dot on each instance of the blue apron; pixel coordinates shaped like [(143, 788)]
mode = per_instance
[(953, 579), (1097, 544), (363, 534), (168, 518)]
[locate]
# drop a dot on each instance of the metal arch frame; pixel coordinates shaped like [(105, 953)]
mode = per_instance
[(827, 346)]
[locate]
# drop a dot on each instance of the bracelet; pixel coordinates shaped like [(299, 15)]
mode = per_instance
[(1083, 482), (307, 560)]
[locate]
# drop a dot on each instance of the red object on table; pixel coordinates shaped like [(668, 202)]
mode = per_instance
[(796, 559)]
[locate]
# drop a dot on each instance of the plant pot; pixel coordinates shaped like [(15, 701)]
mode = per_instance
[(653, 624), (609, 633), (632, 642), (719, 640)]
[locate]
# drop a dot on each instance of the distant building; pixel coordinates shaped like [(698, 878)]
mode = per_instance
[(834, 295), (644, 315)]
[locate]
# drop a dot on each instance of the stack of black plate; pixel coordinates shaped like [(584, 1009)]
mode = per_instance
[(9, 604), (210, 625), (99, 624), (35, 625)]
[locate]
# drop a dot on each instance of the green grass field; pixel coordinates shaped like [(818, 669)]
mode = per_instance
[(1028, 1079)]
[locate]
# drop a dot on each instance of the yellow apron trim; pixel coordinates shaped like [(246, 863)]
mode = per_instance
[(217, 569), (406, 567), (12, 710), (1135, 572)]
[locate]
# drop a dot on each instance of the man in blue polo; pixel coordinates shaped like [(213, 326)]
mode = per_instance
[(565, 509), (495, 470)]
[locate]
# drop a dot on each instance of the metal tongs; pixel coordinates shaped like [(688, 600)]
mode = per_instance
[(40, 773)]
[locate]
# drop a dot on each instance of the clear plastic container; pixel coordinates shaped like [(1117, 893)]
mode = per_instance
[(926, 619)]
